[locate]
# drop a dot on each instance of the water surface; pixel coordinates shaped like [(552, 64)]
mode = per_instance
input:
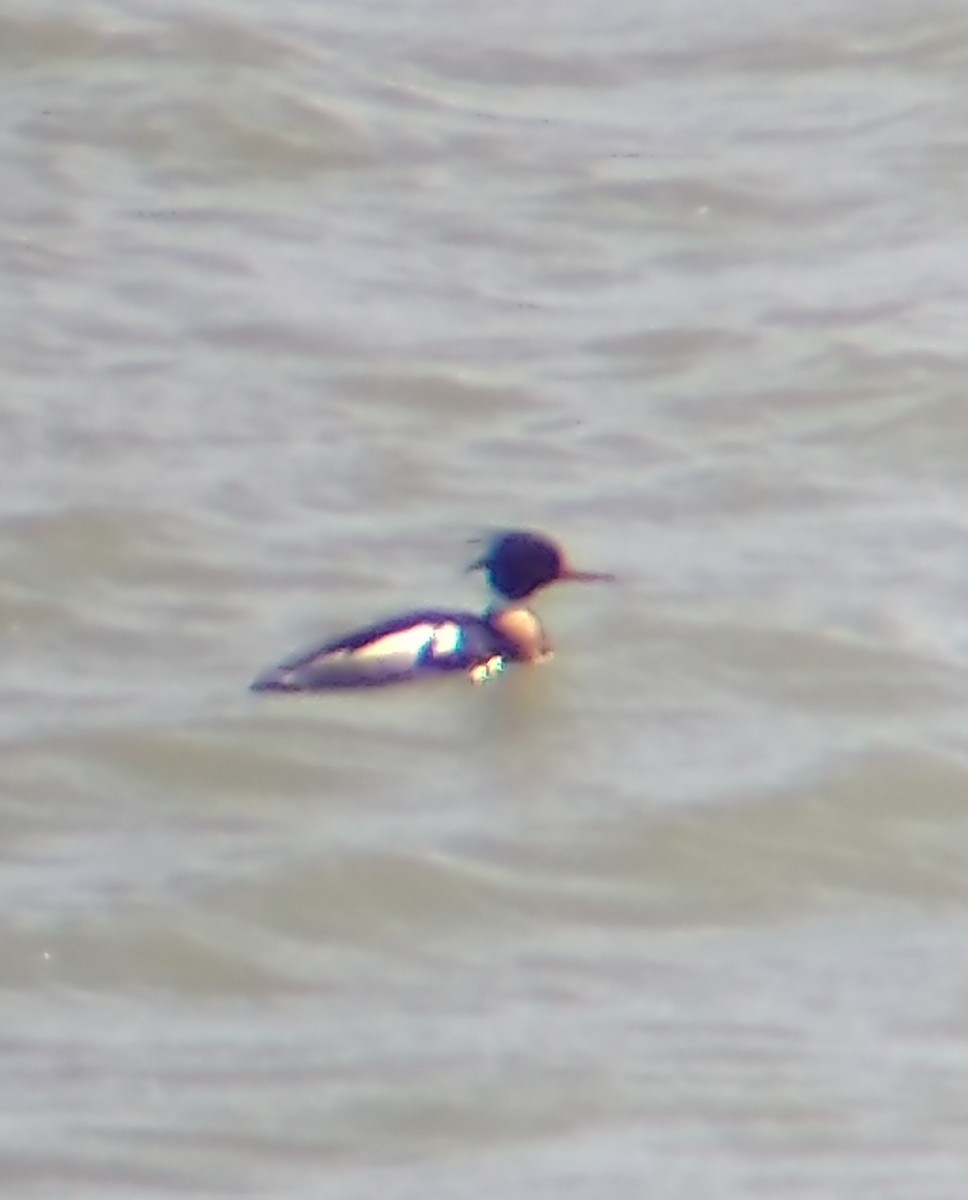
[(301, 299)]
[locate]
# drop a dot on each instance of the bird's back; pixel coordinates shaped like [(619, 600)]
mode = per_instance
[(428, 641)]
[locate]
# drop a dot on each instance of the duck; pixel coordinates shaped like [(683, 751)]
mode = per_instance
[(432, 642)]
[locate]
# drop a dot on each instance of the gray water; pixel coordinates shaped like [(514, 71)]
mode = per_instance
[(297, 299)]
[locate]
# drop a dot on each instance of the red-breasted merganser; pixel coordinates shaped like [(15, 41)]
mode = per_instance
[(435, 641)]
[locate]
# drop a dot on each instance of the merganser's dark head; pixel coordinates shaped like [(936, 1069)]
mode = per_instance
[(519, 563)]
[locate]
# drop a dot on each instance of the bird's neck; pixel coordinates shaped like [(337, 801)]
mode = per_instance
[(521, 629)]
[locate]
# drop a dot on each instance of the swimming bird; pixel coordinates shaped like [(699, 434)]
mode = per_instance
[(430, 642)]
